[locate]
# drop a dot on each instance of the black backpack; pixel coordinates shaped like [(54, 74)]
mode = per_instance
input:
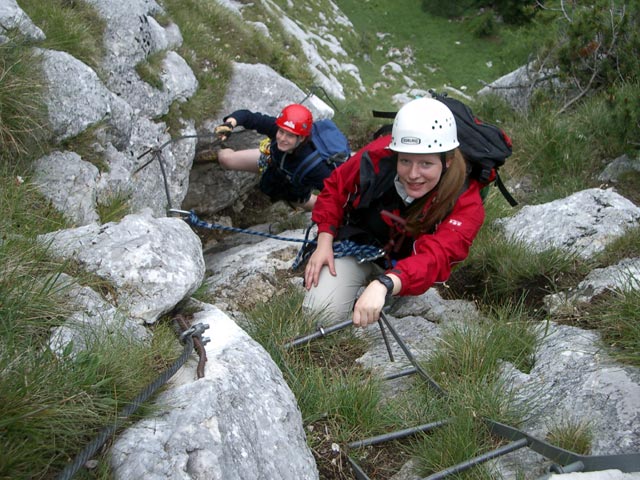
[(486, 147)]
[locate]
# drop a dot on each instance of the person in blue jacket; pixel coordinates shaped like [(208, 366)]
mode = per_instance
[(287, 145)]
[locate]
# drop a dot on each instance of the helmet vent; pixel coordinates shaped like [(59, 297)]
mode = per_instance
[(428, 121)]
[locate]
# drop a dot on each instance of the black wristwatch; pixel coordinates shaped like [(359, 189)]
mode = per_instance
[(387, 282)]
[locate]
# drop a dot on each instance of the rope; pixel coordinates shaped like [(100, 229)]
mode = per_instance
[(363, 253), (89, 451), (344, 248), (196, 222)]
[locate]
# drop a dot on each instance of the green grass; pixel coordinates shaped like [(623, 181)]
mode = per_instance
[(617, 317), (50, 407), (84, 144), (71, 26), (462, 439), (26, 213), (23, 115), (114, 208), (214, 37), (149, 69), (346, 402), (499, 270), (445, 52), (626, 246), (571, 434)]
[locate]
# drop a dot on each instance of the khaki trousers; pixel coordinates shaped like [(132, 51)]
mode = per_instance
[(334, 297)]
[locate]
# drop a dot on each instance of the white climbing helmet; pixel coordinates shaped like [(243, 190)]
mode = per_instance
[(424, 125)]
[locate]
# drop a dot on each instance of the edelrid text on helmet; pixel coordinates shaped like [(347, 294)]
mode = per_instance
[(424, 125), (296, 119)]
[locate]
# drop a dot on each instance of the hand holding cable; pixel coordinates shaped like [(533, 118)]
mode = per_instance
[(223, 131)]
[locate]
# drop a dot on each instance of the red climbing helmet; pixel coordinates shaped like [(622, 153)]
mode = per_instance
[(296, 119)]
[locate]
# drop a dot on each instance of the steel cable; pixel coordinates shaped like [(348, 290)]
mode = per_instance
[(90, 450)]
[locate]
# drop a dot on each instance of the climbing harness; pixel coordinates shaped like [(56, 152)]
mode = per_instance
[(265, 155), (189, 337), (564, 461)]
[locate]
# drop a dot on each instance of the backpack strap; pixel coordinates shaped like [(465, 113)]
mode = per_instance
[(505, 193), (310, 162), (313, 160), (381, 114)]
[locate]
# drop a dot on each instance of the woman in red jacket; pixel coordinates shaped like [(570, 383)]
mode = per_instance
[(408, 193)]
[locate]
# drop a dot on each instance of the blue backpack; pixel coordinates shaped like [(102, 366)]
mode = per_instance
[(331, 146)]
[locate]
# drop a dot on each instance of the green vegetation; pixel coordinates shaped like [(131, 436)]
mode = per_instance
[(23, 117), (510, 11), (150, 68), (84, 144), (213, 37), (114, 208), (571, 434), (501, 269), (441, 52), (71, 26), (341, 403), (51, 405)]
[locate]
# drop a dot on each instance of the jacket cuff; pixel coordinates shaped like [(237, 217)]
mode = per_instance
[(328, 228)]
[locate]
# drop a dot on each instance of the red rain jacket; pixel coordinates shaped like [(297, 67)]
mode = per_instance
[(433, 254)]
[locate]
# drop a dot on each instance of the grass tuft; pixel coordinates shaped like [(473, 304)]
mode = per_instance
[(72, 26), (23, 113), (571, 434), (618, 318), (114, 208)]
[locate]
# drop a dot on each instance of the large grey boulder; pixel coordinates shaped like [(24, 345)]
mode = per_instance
[(240, 421), (211, 188), (152, 263), (621, 277), (575, 380), (260, 88), (131, 36), (76, 97), (93, 318), (583, 223), (517, 87), (13, 17), (70, 184), (245, 276), (618, 168)]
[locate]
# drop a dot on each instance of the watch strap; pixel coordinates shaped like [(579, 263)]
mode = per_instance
[(387, 282)]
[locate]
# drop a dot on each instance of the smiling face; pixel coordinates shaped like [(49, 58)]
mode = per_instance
[(286, 141), (419, 173)]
